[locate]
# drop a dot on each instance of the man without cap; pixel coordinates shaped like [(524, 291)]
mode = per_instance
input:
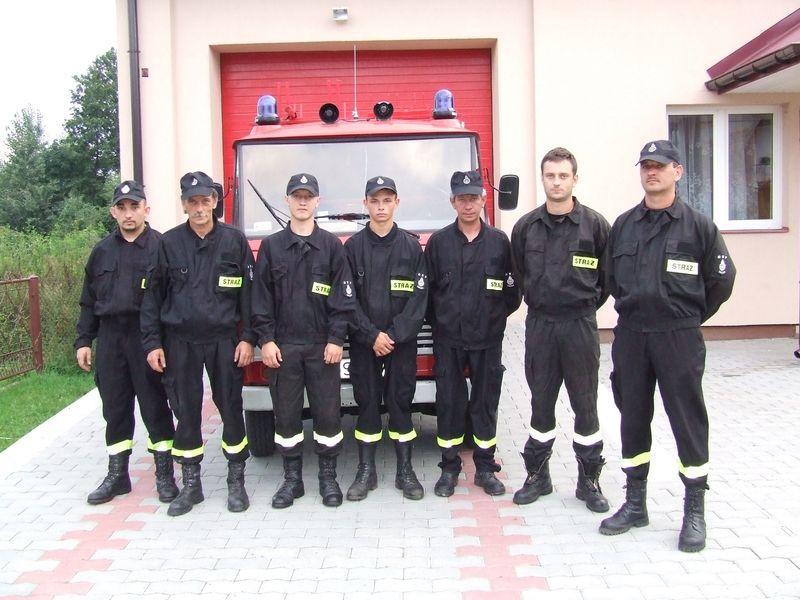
[(114, 283), (472, 292), (558, 257), (196, 314), (303, 297), (669, 272), (392, 292)]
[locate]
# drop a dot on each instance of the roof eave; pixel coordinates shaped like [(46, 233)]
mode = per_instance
[(757, 69)]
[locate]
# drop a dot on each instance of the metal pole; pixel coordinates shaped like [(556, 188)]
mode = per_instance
[(36, 322), (136, 101)]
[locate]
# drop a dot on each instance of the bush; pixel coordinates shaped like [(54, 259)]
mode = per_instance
[(58, 260)]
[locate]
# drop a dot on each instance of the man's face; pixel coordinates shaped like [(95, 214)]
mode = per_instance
[(468, 207), (302, 205), (130, 214), (200, 209), (381, 206), (558, 180), (657, 177)]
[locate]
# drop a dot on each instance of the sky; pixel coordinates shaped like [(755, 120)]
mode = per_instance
[(43, 44)]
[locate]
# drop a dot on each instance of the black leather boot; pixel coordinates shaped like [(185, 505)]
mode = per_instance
[(328, 487), (366, 476), (405, 479), (537, 483), (165, 476), (191, 494), (631, 514), (588, 488), (693, 531), (116, 482), (490, 483), (237, 495), (292, 485), (446, 486)]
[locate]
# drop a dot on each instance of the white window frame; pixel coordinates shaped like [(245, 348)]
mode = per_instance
[(720, 163)]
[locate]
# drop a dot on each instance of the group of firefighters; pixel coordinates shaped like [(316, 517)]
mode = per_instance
[(164, 308)]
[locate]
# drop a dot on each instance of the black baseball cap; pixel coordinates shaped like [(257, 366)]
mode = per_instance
[(196, 183), (128, 190), (466, 182), (661, 151), (302, 181), (380, 183)]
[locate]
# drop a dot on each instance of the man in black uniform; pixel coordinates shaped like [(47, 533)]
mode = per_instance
[(392, 292), (303, 296), (558, 257), (670, 271), (196, 314), (116, 277), (471, 295)]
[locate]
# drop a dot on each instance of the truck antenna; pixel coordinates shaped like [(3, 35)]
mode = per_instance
[(355, 85)]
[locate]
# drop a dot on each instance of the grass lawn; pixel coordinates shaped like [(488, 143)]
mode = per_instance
[(30, 399)]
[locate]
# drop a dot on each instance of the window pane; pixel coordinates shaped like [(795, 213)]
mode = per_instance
[(750, 166), (693, 135)]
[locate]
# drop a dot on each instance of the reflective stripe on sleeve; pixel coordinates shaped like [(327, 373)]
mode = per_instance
[(485, 444), (237, 448), (331, 441), (402, 437), (450, 443), (187, 453), (639, 459), (542, 436), (587, 440), (163, 446), (289, 442), (693, 472), (368, 438), (119, 447)]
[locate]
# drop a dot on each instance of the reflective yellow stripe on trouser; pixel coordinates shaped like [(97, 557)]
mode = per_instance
[(289, 442), (119, 447), (485, 444), (402, 437), (450, 443), (237, 448), (587, 440), (693, 472), (636, 461), (542, 436), (162, 446), (329, 441), (187, 453), (368, 438)]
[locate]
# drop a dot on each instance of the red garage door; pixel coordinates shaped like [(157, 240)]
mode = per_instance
[(303, 81)]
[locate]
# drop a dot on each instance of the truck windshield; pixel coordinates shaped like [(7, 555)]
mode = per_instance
[(421, 167)]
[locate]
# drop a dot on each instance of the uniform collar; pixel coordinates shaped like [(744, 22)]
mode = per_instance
[(210, 235), (387, 239), (460, 234), (541, 214), (315, 239), (674, 210), (140, 240)]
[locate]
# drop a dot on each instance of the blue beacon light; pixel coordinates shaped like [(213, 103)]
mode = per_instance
[(267, 112), (444, 105)]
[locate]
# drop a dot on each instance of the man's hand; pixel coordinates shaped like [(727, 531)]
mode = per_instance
[(243, 355), (383, 344), (271, 355), (333, 354), (84, 356), (156, 360)]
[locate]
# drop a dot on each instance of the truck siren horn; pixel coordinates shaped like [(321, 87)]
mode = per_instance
[(267, 112), (383, 110), (329, 113)]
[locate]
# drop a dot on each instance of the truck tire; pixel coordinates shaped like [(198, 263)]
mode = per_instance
[(260, 425)]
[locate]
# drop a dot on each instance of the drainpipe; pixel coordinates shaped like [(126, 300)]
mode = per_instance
[(136, 101)]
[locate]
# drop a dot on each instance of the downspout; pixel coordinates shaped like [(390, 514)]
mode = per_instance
[(136, 100)]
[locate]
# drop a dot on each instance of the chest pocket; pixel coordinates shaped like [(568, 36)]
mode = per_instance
[(320, 282), (534, 259), (624, 257), (141, 278), (229, 277), (178, 276), (681, 272), (103, 281), (582, 256), (494, 282), (401, 283)]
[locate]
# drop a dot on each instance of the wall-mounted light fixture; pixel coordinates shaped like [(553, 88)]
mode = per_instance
[(340, 14)]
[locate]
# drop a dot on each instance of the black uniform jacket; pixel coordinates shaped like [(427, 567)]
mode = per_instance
[(391, 285), (115, 280), (561, 266), (670, 268), (472, 289), (303, 291), (199, 288)]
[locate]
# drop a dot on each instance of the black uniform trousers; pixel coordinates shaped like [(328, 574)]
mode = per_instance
[(184, 382), (568, 352), (122, 373), (391, 378), (304, 368), (676, 360), (453, 403)]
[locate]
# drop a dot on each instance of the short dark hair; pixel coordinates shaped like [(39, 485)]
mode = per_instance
[(559, 154)]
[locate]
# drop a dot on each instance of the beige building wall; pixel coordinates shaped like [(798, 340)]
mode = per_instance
[(596, 77)]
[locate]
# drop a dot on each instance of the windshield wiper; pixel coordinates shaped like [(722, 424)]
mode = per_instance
[(272, 210)]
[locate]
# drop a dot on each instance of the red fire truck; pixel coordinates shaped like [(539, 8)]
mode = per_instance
[(420, 154)]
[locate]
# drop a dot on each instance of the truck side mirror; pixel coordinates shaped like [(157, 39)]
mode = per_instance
[(219, 210), (508, 192)]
